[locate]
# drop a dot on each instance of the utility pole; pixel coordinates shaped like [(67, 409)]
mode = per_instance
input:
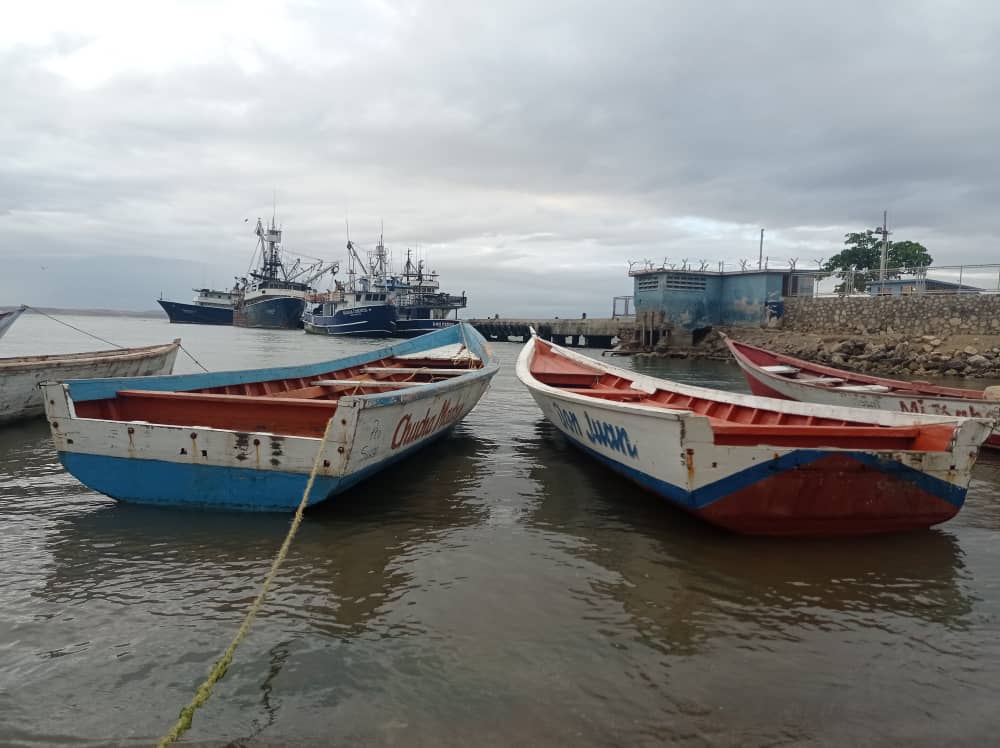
[(885, 245), (760, 257)]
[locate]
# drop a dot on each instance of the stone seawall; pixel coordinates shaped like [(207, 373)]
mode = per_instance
[(942, 316)]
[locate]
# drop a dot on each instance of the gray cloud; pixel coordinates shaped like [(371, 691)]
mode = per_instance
[(530, 150)]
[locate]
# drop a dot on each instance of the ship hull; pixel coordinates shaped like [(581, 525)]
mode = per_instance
[(362, 322), (193, 314), (411, 328), (277, 313)]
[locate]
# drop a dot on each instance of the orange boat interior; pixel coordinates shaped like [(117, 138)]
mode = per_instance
[(817, 375), (296, 406), (734, 424)]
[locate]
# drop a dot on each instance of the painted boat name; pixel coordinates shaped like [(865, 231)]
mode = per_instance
[(599, 432), (408, 431), (941, 409)]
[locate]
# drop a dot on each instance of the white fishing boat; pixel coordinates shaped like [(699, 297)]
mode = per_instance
[(771, 374), (9, 318), (757, 465), (20, 376), (249, 439)]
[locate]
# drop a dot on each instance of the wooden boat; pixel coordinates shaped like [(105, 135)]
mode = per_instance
[(9, 318), (755, 465), (777, 375), (249, 439), (21, 398)]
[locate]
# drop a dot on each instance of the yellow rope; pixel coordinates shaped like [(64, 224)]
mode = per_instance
[(183, 723)]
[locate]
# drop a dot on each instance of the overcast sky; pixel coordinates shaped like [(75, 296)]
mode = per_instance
[(529, 149)]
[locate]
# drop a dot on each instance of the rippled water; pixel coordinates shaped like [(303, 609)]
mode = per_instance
[(497, 589)]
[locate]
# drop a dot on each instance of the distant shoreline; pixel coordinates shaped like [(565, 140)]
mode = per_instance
[(151, 313)]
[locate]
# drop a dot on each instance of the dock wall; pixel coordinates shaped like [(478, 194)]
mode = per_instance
[(593, 333), (924, 314)]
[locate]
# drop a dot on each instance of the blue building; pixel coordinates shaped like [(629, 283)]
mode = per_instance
[(696, 299)]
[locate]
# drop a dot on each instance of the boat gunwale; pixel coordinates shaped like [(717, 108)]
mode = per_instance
[(896, 386), (880, 418), (25, 363)]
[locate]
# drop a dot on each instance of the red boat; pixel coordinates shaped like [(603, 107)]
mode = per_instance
[(773, 374)]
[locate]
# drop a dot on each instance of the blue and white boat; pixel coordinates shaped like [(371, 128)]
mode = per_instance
[(274, 296), (250, 439), (364, 307), (210, 307)]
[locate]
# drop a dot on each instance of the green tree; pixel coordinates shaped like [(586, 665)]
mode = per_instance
[(858, 263)]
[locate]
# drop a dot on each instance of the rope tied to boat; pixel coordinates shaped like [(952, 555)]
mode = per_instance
[(193, 358), (98, 337), (54, 319), (221, 665)]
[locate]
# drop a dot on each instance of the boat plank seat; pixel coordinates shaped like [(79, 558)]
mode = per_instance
[(366, 383), (269, 414), (780, 369), (931, 438), (412, 370), (818, 380), (606, 392), (863, 388)]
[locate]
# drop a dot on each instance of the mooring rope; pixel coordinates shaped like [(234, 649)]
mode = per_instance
[(193, 358), (183, 723), (90, 334)]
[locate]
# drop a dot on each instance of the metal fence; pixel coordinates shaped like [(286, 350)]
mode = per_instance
[(903, 281), (622, 307)]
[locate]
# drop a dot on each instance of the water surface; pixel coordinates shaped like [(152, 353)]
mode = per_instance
[(497, 589)]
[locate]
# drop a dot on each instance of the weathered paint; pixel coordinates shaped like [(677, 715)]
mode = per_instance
[(695, 299), (765, 488), (258, 470)]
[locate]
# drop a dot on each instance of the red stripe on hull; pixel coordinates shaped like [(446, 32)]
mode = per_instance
[(834, 495)]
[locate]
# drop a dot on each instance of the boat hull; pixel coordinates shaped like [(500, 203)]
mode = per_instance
[(762, 488), (20, 395), (765, 385), (9, 318), (275, 313), (250, 468), (411, 328), (377, 321), (195, 314)]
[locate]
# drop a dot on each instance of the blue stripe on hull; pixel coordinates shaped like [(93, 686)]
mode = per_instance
[(194, 314), (700, 498), (211, 486)]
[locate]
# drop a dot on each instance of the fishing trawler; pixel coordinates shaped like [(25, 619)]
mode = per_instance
[(364, 306), (421, 306), (275, 296), (210, 307)]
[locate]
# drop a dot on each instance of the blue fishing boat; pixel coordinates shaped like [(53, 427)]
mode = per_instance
[(210, 307), (421, 306), (274, 296), (250, 439), (364, 306)]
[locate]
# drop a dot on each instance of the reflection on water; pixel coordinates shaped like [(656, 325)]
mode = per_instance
[(498, 587)]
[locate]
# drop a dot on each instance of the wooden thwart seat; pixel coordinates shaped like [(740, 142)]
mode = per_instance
[(366, 383), (413, 370)]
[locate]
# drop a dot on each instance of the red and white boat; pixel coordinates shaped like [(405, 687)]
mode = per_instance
[(777, 375), (756, 465)]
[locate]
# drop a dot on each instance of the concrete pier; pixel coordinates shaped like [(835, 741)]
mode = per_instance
[(581, 332)]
